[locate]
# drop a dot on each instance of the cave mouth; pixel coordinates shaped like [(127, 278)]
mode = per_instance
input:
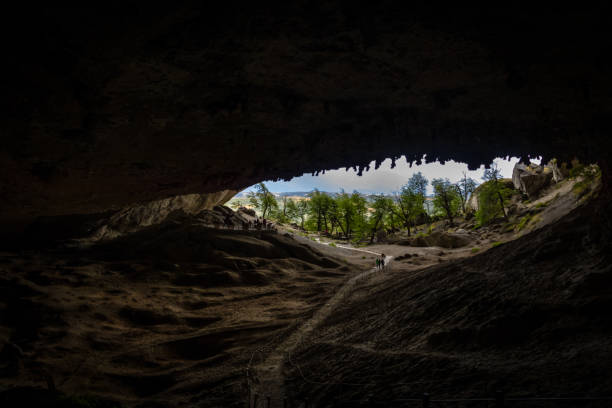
[(171, 299), (123, 275)]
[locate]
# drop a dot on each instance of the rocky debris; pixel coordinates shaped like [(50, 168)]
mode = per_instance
[(437, 239), (402, 257), (531, 178), (248, 211), (136, 217)]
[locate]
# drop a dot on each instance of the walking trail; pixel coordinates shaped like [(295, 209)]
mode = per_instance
[(269, 373)]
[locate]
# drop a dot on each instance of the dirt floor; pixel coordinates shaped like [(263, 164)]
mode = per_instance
[(171, 315), (140, 320)]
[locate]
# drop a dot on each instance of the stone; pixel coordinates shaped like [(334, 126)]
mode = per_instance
[(556, 171), (532, 178)]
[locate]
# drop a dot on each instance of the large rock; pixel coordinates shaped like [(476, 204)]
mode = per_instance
[(133, 218), (531, 178), (440, 239), (556, 171)]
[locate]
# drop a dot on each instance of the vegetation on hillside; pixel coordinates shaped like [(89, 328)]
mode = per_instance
[(364, 218)]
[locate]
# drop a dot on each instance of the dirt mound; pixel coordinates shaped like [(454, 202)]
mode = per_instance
[(438, 239), (190, 241), (167, 315)]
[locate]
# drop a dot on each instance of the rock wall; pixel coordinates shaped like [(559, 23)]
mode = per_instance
[(106, 106)]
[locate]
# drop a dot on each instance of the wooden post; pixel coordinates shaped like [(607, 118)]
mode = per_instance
[(255, 401), (268, 398), (284, 402), (426, 400)]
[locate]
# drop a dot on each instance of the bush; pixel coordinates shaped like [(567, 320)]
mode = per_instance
[(576, 170), (474, 250), (496, 244), (331, 244), (488, 201)]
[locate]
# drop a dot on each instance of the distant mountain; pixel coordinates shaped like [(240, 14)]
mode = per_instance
[(286, 193), (370, 196)]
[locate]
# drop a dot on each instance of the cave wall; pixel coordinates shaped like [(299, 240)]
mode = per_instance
[(106, 106)]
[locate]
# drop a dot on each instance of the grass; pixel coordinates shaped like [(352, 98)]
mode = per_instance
[(331, 244), (523, 222), (496, 244), (509, 227), (542, 205), (474, 250)]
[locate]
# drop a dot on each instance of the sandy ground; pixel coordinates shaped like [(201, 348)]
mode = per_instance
[(174, 314), (172, 330)]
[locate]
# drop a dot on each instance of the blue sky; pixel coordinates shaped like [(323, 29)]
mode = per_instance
[(385, 179)]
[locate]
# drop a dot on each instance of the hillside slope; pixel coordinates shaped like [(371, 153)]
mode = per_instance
[(529, 316)]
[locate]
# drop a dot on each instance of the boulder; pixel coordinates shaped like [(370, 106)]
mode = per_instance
[(556, 171), (248, 211), (532, 178), (441, 239)]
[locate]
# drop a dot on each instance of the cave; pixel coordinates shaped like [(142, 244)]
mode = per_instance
[(132, 111)]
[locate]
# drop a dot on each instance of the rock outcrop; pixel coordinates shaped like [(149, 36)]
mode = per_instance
[(438, 239), (104, 106), (531, 178), (136, 217)]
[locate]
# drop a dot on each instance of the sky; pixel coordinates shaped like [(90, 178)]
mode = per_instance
[(385, 179)]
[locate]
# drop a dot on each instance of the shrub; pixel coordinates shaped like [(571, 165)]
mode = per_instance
[(474, 250), (496, 244), (331, 244), (541, 205)]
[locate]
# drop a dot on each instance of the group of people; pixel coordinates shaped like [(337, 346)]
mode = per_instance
[(380, 262), (260, 224)]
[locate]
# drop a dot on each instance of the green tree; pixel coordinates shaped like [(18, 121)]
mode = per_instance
[(319, 206), (465, 187), (410, 200), (382, 207), (281, 215), (301, 211), (492, 196), (348, 212), (262, 199), (446, 198), (291, 210)]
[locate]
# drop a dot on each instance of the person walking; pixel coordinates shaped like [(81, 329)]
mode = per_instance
[(382, 262), (377, 263)]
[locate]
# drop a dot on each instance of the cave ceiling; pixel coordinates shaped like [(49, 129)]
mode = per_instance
[(106, 106)]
